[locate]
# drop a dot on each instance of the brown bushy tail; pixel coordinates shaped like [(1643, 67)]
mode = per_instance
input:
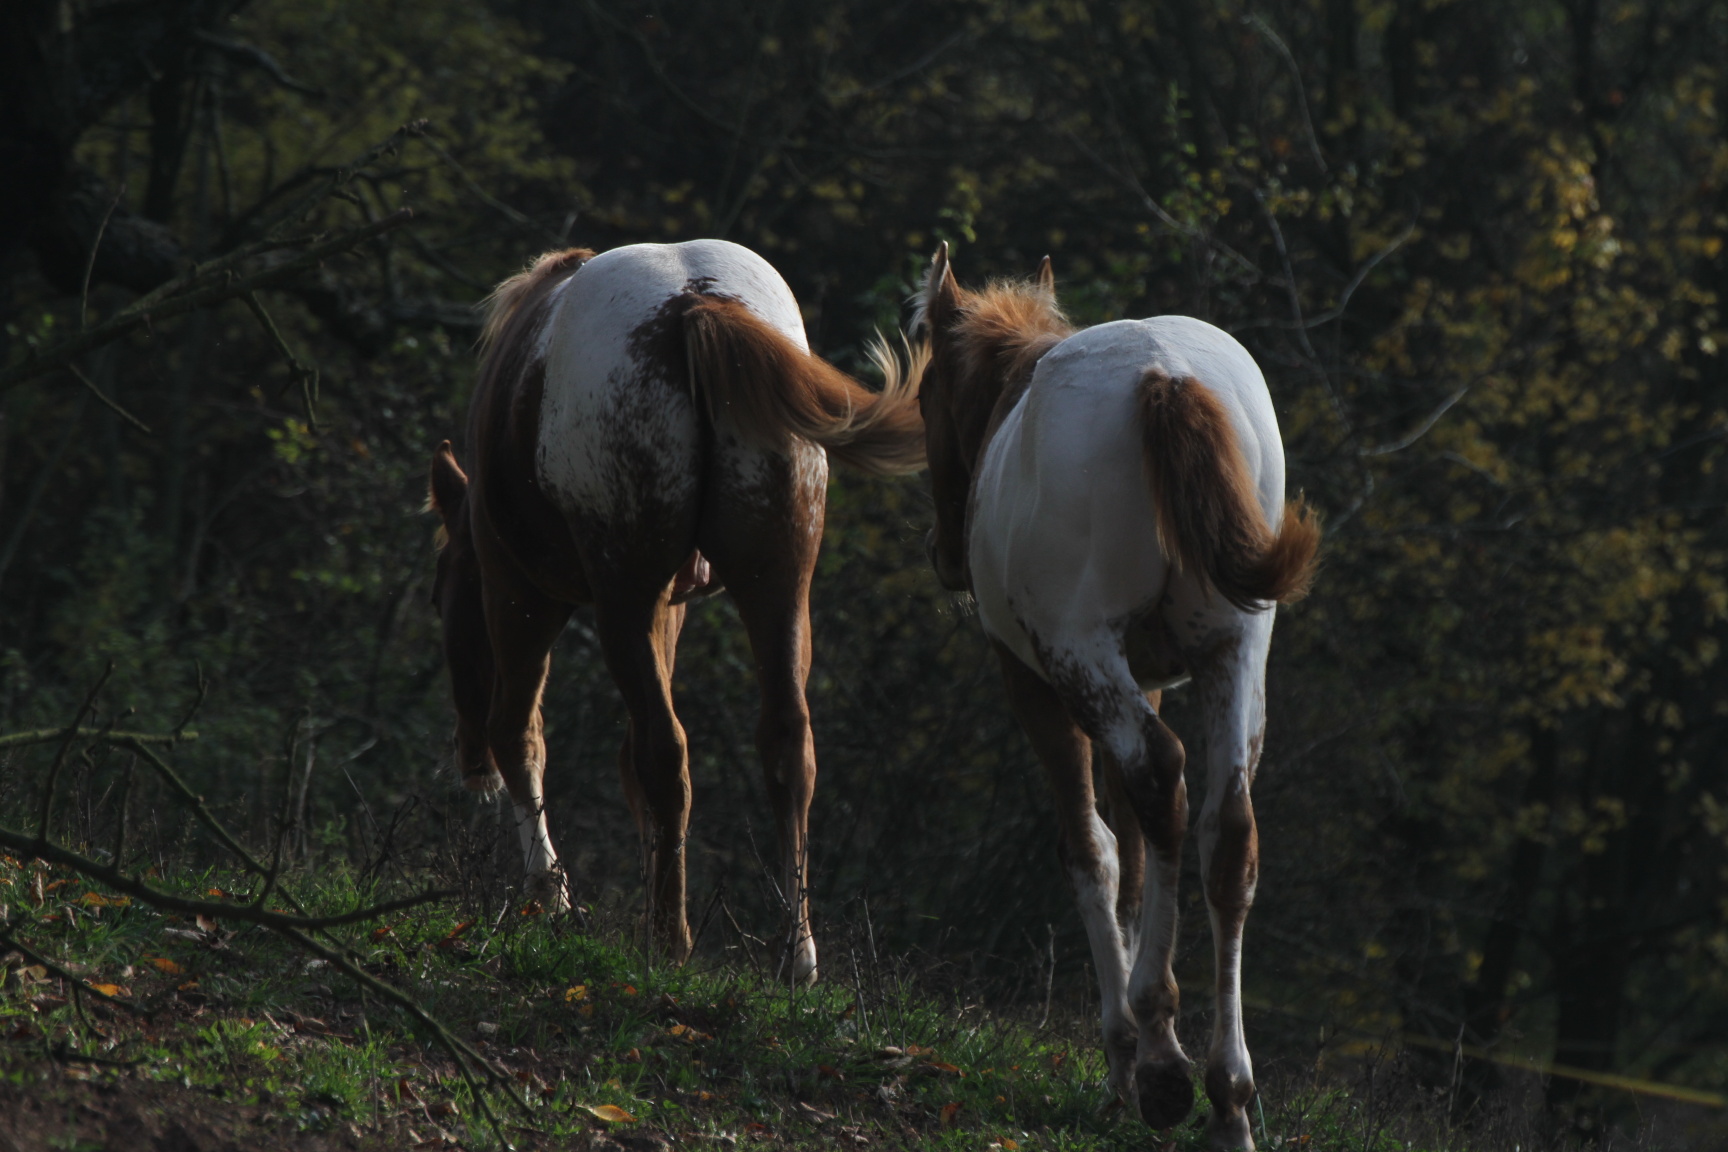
[(1209, 517), (766, 387)]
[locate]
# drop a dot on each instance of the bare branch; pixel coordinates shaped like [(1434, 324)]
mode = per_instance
[(108, 402), (161, 304), (49, 735), (259, 59), (38, 848), (7, 940)]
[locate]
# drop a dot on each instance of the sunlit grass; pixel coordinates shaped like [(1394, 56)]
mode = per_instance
[(588, 1027)]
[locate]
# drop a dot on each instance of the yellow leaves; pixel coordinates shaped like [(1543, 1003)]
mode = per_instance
[(166, 966), (610, 1113), (112, 990), (577, 993)]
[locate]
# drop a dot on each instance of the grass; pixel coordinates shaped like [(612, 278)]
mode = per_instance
[(252, 1040)]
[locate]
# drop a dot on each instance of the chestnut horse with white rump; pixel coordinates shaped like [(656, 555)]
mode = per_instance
[(649, 426), (1114, 499)]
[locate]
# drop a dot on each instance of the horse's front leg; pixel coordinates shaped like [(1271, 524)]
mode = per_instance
[(1232, 699), (522, 625)]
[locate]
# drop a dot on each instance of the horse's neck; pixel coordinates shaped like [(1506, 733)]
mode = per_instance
[(993, 401)]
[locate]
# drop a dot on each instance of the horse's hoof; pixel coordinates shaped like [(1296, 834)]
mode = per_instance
[(1165, 1092), (485, 783), (1229, 1131), (549, 890)]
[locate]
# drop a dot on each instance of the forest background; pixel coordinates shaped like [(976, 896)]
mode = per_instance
[(1477, 248)]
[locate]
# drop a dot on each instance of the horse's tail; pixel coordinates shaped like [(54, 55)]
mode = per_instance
[(1209, 518), (767, 387)]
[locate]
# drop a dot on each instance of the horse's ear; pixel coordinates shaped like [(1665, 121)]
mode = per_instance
[(449, 484), (941, 292), (1046, 276)]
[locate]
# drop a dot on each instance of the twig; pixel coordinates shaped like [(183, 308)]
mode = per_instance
[(65, 747), (303, 374), (1420, 430), (90, 264), (41, 849), (485, 197), (159, 307), (108, 402), (48, 735), (35, 957)]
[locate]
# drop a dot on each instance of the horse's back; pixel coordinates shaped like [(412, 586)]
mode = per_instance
[(620, 443), (1064, 535)]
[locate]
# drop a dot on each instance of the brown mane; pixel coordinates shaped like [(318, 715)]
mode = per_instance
[(517, 296), (1002, 331)]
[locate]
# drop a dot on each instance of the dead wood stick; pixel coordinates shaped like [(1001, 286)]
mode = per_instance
[(8, 940), (49, 735), (49, 852)]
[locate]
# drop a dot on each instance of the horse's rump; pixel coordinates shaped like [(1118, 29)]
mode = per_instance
[(1209, 519)]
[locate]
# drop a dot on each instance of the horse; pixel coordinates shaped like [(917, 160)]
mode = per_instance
[(649, 427), (1113, 499)]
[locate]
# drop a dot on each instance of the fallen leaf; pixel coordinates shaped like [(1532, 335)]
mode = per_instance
[(405, 1091), (163, 964), (97, 900), (629, 990), (216, 892), (949, 1111), (811, 1112), (206, 924), (579, 992), (610, 1113), (443, 1108), (634, 1056), (111, 990), (946, 1069), (759, 1130), (919, 1050), (829, 1071), (533, 908), (36, 972)]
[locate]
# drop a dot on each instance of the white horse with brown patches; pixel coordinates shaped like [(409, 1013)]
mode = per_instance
[(1114, 499), (649, 426)]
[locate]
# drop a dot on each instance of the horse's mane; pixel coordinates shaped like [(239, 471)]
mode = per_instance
[(1001, 330), (517, 295)]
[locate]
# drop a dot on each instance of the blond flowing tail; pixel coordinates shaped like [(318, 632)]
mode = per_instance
[(762, 384), (1209, 518)]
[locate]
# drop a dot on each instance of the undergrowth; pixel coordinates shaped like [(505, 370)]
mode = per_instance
[(602, 1043)]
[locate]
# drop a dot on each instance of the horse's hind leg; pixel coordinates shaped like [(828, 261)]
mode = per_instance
[(1086, 846), (638, 633), (523, 624), (1101, 693), (1232, 698), (762, 542)]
